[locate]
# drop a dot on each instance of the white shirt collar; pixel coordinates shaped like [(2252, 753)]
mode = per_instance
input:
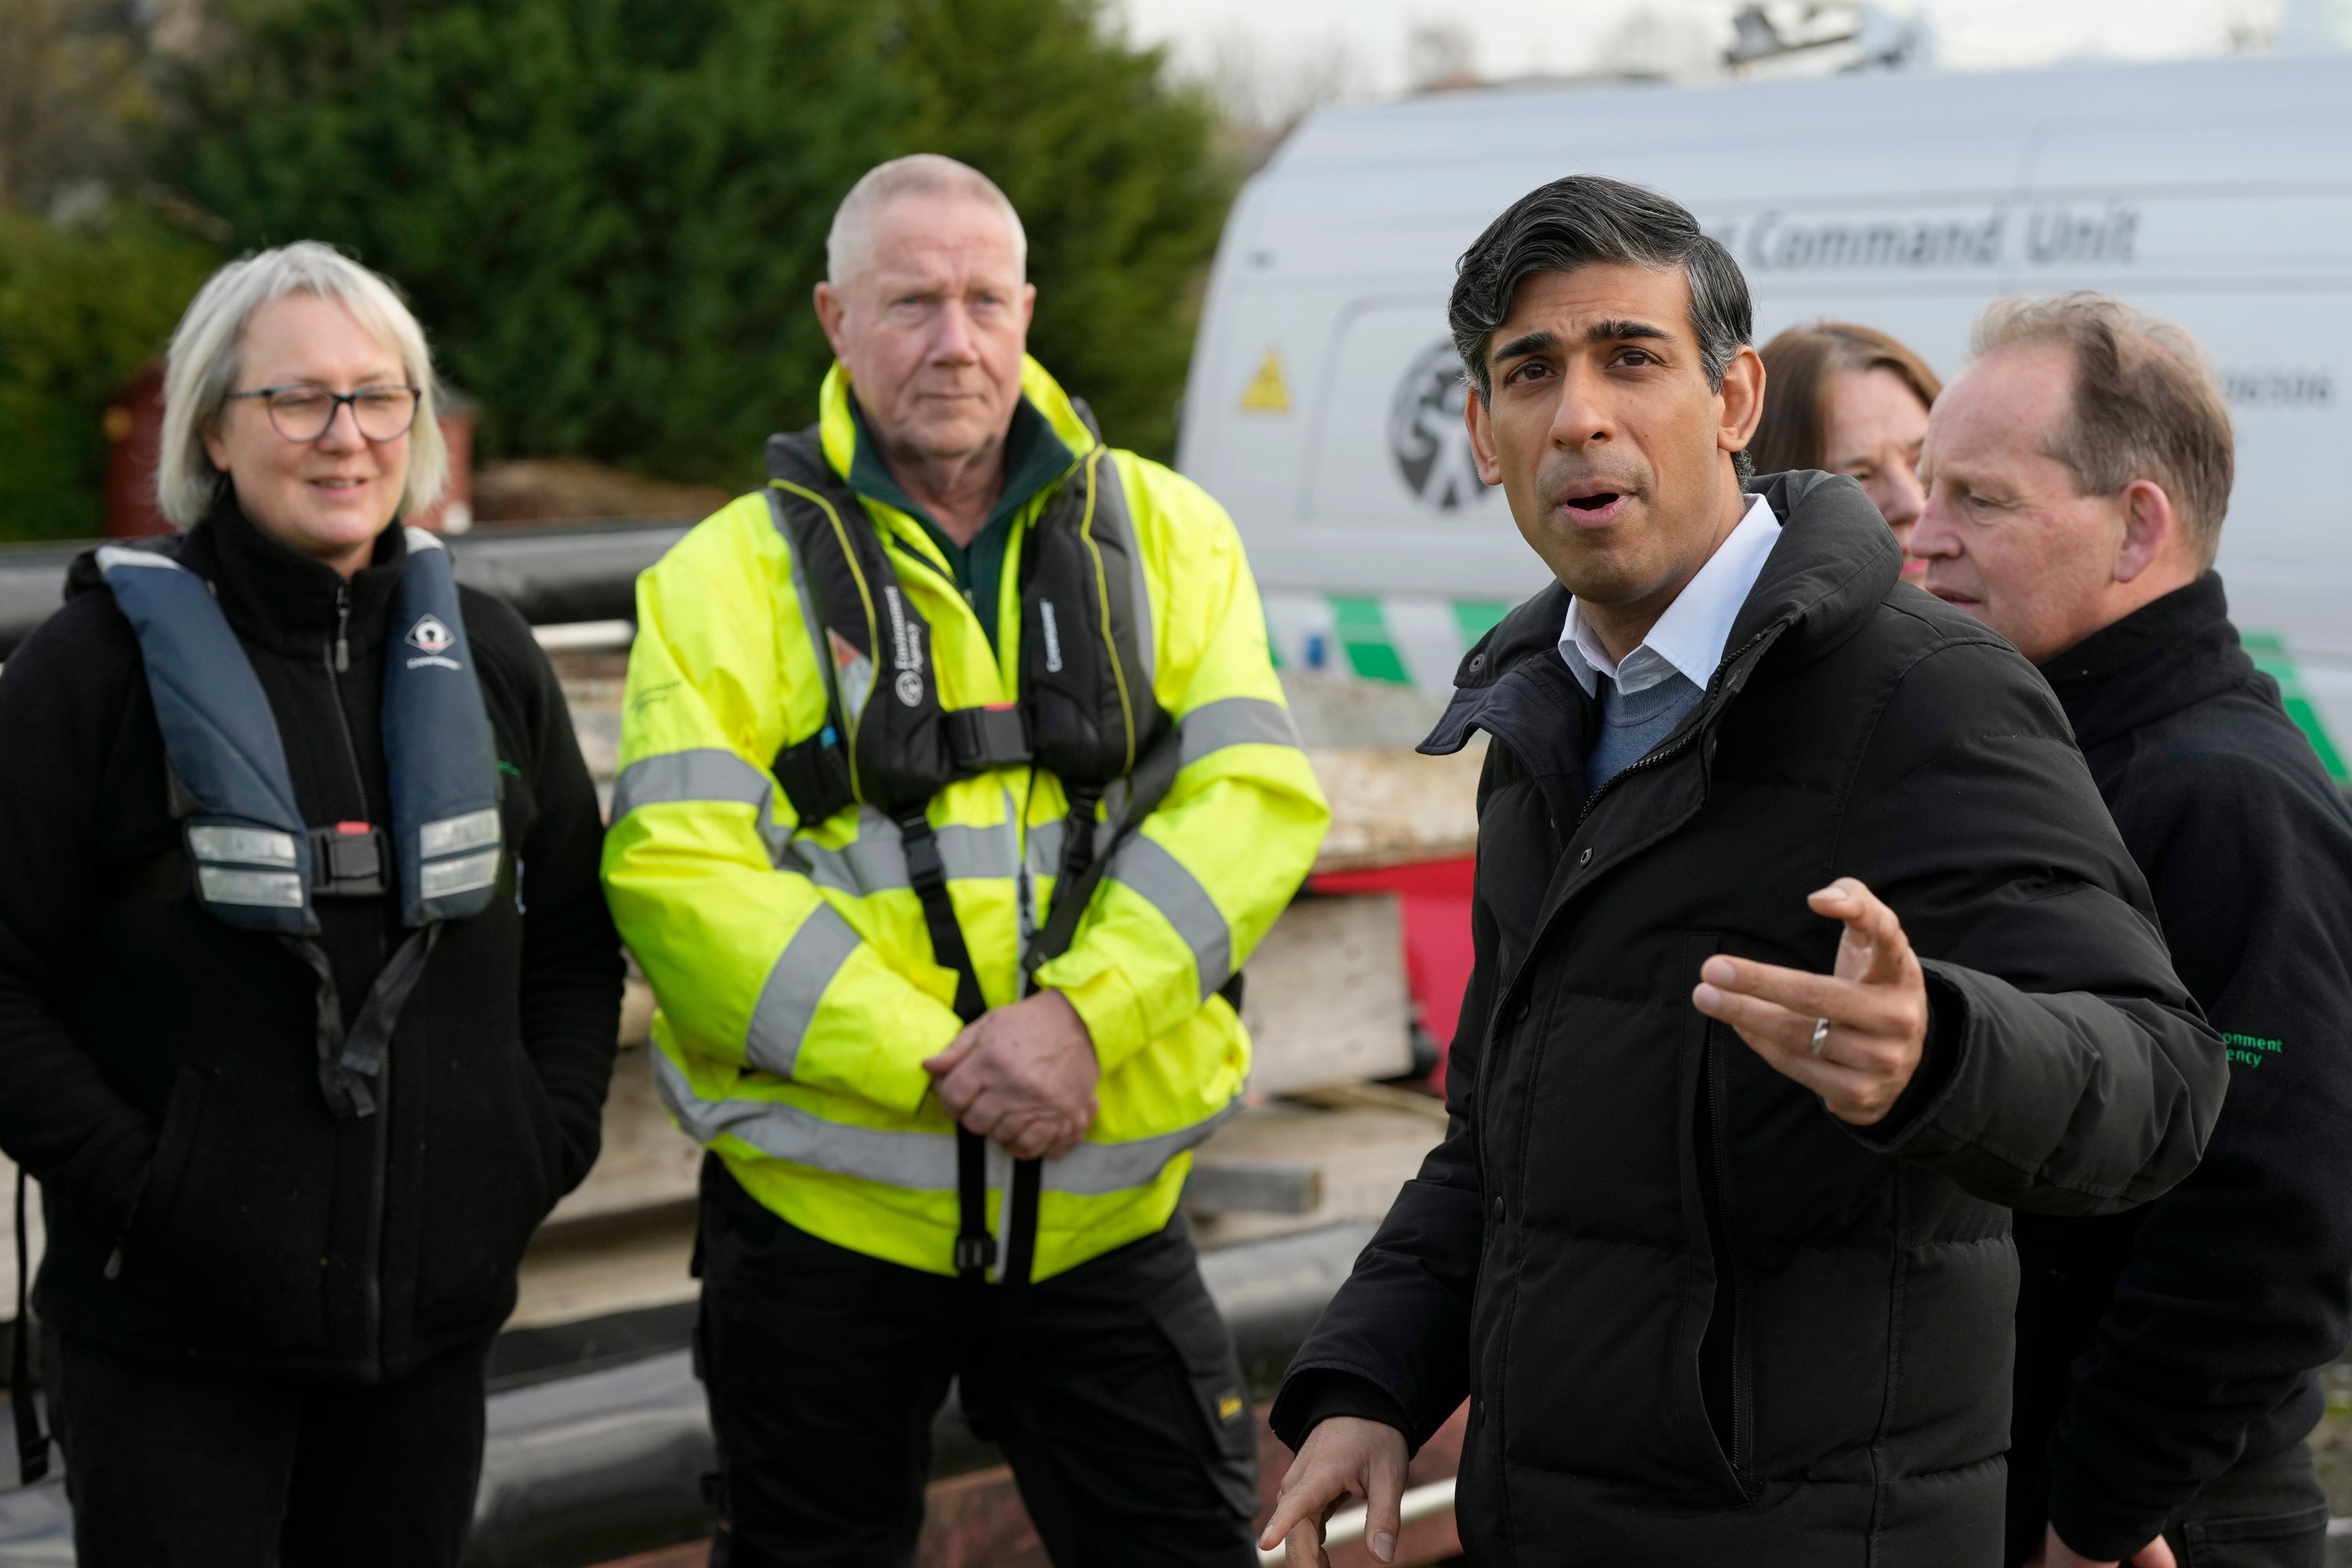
[(1689, 637)]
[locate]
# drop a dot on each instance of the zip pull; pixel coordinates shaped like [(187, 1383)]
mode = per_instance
[(342, 628)]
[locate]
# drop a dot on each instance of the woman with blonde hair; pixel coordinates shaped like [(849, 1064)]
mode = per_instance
[(1848, 399), (297, 1064)]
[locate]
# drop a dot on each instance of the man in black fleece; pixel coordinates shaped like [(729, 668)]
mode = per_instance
[(2166, 1357), (268, 1317)]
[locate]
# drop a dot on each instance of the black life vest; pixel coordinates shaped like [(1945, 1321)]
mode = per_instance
[(1085, 710), (256, 864)]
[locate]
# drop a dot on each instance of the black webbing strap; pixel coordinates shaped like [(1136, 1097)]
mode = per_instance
[(1078, 841), (32, 1442), (1021, 1229), (975, 1249), (351, 1063), (981, 739), (1155, 771)]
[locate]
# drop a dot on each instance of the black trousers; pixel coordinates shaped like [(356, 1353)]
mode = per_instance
[(1114, 1390), (168, 1467)]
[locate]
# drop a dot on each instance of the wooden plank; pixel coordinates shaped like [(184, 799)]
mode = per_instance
[(1325, 1000), (1255, 1188), (1361, 1157), (1392, 807), (627, 1262)]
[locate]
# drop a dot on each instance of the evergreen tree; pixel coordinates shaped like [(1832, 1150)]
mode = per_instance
[(609, 213), (1115, 175), (82, 305)]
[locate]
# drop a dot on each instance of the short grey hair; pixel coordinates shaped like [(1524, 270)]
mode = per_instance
[(849, 247), (205, 359), (1582, 220), (2146, 404)]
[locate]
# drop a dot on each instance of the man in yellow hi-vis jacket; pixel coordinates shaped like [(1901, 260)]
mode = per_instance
[(840, 854)]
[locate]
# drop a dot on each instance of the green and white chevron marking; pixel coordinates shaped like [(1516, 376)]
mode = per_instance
[(2271, 657), (1407, 639), (1410, 639)]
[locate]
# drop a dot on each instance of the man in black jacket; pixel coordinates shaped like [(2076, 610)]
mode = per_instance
[(1717, 1244), (2167, 1358), (279, 1242)]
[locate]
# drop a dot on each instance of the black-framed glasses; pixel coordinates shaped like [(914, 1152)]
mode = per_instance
[(304, 413)]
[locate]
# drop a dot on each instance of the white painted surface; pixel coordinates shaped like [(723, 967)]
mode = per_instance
[(2216, 193)]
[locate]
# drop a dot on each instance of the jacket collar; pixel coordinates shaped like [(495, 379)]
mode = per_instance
[(2165, 655), (1834, 561), (1064, 419), (271, 598), (288, 602), (1034, 457)]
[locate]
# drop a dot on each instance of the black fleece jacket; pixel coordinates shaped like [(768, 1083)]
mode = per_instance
[(1699, 1319), (157, 1066), (2204, 1314)]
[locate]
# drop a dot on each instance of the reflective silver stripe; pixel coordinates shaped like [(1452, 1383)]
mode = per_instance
[(422, 538), (462, 874), (110, 556), (452, 833), (794, 987), (704, 773), (1091, 1170), (1234, 721), (1045, 848), (912, 1160), (876, 861), (1146, 868), (249, 846), (271, 890)]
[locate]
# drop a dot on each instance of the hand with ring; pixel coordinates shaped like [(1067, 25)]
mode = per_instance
[(1854, 1036)]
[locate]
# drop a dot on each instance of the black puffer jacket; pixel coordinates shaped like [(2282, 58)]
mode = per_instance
[(1701, 1321), (2221, 1300), (157, 1067)]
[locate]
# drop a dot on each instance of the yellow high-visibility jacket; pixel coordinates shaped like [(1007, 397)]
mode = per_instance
[(798, 997)]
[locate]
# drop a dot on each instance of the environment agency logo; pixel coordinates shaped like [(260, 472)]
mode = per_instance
[(1426, 434)]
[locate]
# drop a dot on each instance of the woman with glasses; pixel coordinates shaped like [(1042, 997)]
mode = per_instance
[(307, 994), (1851, 400)]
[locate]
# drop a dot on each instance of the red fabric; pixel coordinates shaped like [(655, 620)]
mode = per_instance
[(1435, 896)]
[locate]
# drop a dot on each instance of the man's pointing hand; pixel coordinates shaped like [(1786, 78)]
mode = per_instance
[(1875, 1007)]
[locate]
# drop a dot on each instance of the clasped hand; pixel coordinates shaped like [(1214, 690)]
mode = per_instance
[(1023, 1075), (1876, 1004)]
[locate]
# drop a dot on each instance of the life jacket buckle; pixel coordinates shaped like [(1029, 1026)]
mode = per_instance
[(350, 861), (981, 738), (973, 1253), (926, 870)]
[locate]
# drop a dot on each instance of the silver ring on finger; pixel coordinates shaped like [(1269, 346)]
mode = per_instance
[(1821, 1038)]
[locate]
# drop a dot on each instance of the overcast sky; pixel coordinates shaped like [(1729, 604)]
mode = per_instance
[(1366, 42)]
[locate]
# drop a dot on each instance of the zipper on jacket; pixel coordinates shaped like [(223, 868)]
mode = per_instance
[(1743, 1415), (1690, 736), (337, 657)]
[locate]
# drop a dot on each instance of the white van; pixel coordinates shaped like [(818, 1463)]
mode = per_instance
[(1325, 405)]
